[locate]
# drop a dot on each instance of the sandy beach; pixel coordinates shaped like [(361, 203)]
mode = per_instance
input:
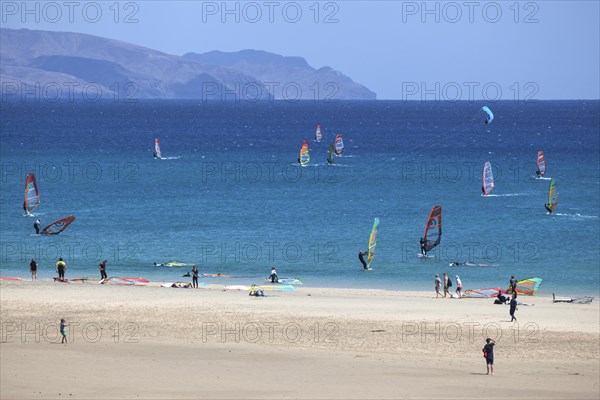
[(153, 342)]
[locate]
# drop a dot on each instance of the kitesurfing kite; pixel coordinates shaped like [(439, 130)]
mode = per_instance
[(487, 179), (32, 196), (58, 226), (372, 243), (433, 229), (552, 197), (490, 115), (304, 156), (339, 145), (541, 164)]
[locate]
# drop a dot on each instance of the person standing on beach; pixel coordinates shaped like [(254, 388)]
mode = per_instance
[(63, 332), (513, 284), (102, 268), (195, 277), (61, 267), (513, 307), (447, 284), (458, 287), (438, 285), (33, 269), (361, 257), (488, 354)]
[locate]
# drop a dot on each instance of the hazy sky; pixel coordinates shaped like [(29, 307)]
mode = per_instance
[(400, 50)]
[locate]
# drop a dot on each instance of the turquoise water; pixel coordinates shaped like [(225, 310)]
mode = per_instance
[(230, 197)]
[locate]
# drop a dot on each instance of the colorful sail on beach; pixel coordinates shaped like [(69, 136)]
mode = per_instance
[(541, 164), (157, 153), (330, 155), (489, 114), (528, 286), (372, 242), (433, 229), (318, 134), (552, 195), (339, 145), (304, 156), (58, 226), (32, 196), (487, 179)]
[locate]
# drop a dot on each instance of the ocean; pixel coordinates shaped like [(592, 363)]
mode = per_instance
[(230, 197)]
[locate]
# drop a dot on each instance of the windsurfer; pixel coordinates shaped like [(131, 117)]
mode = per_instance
[(361, 257), (548, 208), (273, 277), (423, 242), (38, 226)]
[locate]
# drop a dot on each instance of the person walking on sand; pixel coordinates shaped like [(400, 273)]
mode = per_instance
[(102, 268), (33, 269), (458, 287), (438, 285), (61, 267), (63, 332), (513, 307), (194, 277), (488, 354)]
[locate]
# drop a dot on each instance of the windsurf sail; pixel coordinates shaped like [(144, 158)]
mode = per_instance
[(433, 229), (32, 196), (339, 145), (372, 242), (318, 134), (528, 286), (157, 153), (304, 156), (330, 155), (552, 195), (58, 226), (487, 179), (483, 293), (490, 115), (541, 164)]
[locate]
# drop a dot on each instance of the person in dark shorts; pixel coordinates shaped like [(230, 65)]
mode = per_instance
[(37, 226), (102, 268), (513, 307), (61, 267), (422, 243), (33, 269), (195, 277), (513, 284), (361, 257), (488, 354)]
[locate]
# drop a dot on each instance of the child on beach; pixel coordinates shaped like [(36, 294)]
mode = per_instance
[(459, 287), (488, 354), (438, 285), (63, 332)]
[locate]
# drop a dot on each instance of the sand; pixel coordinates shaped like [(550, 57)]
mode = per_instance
[(153, 342)]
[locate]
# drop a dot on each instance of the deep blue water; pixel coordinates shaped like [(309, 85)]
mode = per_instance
[(232, 199)]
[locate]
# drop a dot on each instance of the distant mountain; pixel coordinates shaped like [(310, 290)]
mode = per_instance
[(288, 76), (61, 64)]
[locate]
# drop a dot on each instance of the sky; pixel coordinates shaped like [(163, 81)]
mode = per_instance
[(405, 50)]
